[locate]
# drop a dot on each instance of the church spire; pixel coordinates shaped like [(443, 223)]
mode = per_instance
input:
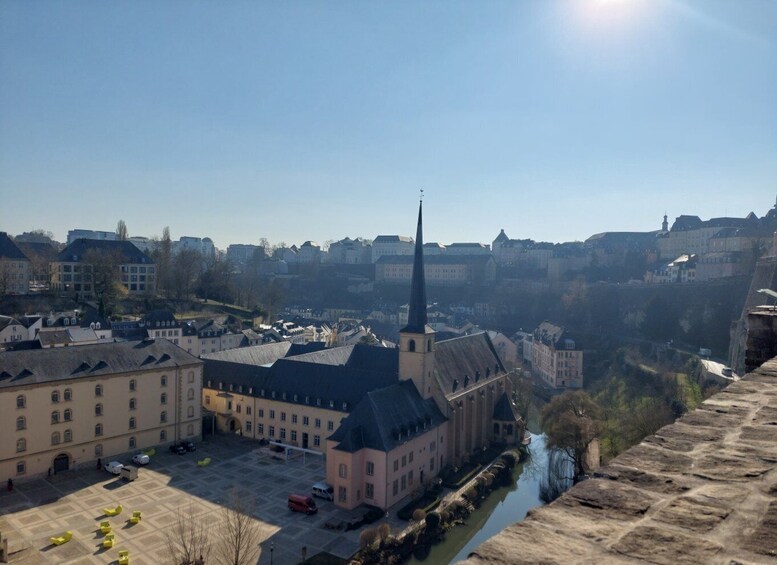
[(416, 319)]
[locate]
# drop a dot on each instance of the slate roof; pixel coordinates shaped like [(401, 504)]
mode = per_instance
[(66, 363), (265, 354), (8, 249), (505, 411), (472, 356), (76, 250), (392, 239), (502, 237), (6, 321), (386, 418)]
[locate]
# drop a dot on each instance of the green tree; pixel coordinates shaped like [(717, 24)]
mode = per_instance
[(571, 421)]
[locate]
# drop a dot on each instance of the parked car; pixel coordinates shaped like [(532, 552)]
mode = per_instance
[(141, 459), (189, 446), (302, 503), (179, 449), (114, 467)]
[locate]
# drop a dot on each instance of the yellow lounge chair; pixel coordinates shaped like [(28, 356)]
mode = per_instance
[(105, 527), (109, 541), (123, 557), (135, 517), (150, 452), (112, 511), (204, 463), (66, 537)]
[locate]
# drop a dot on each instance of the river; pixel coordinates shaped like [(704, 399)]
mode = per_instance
[(504, 506)]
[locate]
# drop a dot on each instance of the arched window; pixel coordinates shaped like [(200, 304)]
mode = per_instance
[(191, 376), (98, 450), (68, 435), (163, 380), (132, 442), (68, 394), (132, 403), (55, 438), (163, 417), (21, 445), (68, 414), (98, 409), (54, 396), (190, 430), (133, 384), (132, 423), (55, 417), (411, 345), (21, 401), (21, 423), (190, 394), (163, 398), (163, 435), (98, 390), (98, 430), (190, 412)]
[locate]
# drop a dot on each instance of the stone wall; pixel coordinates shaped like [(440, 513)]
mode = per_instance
[(701, 490), (761, 337)]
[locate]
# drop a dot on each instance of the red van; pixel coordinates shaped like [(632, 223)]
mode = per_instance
[(302, 503)]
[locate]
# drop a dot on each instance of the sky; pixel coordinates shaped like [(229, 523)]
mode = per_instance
[(297, 121)]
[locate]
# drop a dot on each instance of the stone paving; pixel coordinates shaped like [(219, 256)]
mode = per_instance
[(74, 500)]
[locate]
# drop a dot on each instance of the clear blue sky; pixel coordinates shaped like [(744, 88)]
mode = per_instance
[(319, 120)]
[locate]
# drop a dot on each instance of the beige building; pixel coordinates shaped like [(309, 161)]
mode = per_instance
[(556, 357), (440, 270), (68, 407), (15, 268)]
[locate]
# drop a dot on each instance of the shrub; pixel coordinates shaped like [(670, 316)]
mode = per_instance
[(433, 520), (368, 538), (419, 514), (384, 532)]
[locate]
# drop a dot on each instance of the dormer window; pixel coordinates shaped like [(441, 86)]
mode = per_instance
[(331, 403)]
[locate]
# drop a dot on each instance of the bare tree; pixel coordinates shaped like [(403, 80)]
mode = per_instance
[(187, 538), (121, 231), (239, 535)]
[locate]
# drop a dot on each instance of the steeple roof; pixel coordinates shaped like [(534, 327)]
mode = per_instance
[(416, 319)]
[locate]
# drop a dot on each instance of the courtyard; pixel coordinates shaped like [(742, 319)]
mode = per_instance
[(39, 509)]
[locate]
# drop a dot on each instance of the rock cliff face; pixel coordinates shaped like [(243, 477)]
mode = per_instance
[(701, 490)]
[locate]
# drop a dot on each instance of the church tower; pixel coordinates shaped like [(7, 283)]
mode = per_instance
[(416, 340), (665, 224)]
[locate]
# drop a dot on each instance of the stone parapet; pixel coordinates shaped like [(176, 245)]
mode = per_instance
[(701, 490)]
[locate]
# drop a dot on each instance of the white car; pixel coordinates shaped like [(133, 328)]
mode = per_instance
[(114, 467), (141, 459)]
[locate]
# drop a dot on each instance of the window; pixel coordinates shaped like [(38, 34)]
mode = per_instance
[(132, 423), (369, 491), (343, 471), (403, 478), (293, 435), (163, 435), (54, 396), (190, 412), (98, 430), (163, 380), (395, 487), (98, 450), (317, 441), (207, 400), (239, 408), (272, 431), (132, 442), (190, 394), (163, 398), (98, 409), (68, 395), (55, 438), (431, 463), (248, 426), (68, 436), (68, 415), (410, 457), (260, 429), (404, 460), (21, 423), (191, 375), (132, 403), (330, 425), (55, 417), (21, 445), (21, 401), (133, 384), (433, 446), (248, 410), (342, 494), (272, 414), (162, 418), (396, 464), (21, 468), (283, 433), (283, 416), (293, 418), (98, 390), (370, 469), (318, 422), (410, 478), (305, 421)]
